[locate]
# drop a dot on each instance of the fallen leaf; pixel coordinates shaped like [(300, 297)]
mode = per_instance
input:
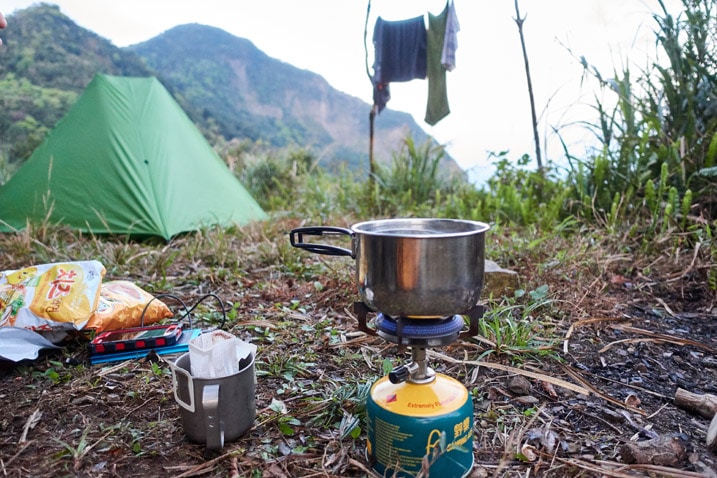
[(632, 400), (529, 452)]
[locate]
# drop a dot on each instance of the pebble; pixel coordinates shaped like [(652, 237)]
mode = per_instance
[(519, 385), (526, 400)]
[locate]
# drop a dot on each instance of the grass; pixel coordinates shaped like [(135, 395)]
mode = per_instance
[(313, 369), (515, 329)]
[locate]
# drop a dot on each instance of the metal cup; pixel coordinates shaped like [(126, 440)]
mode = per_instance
[(215, 410)]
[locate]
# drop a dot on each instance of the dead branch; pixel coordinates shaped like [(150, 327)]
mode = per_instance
[(664, 450), (505, 368), (704, 405), (711, 440)]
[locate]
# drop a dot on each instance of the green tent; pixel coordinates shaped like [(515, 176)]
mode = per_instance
[(126, 160)]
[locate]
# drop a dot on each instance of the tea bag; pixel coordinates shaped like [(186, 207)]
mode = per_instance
[(214, 355)]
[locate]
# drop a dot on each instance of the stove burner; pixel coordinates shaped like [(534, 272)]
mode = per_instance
[(426, 332), (420, 328), (419, 332)]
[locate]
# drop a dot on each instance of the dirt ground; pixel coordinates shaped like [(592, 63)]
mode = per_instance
[(632, 346)]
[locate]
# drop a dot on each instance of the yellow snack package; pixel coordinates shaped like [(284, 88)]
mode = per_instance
[(121, 305), (49, 297)]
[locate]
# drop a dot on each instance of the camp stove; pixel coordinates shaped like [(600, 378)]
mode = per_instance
[(416, 415), (421, 277)]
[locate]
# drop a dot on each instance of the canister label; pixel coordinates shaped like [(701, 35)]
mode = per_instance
[(412, 426), (442, 396)]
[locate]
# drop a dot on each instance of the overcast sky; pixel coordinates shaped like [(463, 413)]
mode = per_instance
[(487, 91)]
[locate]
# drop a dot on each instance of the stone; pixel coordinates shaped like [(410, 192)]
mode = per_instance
[(498, 281), (519, 385)]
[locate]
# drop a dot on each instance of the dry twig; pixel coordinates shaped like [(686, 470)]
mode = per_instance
[(506, 368), (30, 423), (654, 337)]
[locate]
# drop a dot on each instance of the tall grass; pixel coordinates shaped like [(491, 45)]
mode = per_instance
[(411, 186), (411, 179), (664, 120), (686, 91)]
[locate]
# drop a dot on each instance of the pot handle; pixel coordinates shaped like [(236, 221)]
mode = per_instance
[(296, 236)]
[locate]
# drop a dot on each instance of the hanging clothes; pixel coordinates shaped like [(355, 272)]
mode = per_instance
[(441, 57), (400, 54), (437, 105), (450, 42)]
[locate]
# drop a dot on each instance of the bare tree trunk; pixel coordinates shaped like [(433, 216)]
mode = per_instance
[(519, 21)]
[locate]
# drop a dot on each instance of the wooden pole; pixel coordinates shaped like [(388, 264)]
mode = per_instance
[(374, 109), (519, 21), (371, 162)]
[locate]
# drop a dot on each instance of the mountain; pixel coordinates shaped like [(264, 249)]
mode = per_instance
[(46, 60), (255, 96), (227, 86), (50, 50)]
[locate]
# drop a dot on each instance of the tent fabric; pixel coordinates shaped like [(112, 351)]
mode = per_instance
[(126, 159)]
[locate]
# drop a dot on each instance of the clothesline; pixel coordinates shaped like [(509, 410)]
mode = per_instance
[(407, 50), (426, 17)]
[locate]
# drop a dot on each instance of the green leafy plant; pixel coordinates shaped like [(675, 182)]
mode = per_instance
[(513, 328), (56, 373), (284, 421), (339, 403), (79, 452)]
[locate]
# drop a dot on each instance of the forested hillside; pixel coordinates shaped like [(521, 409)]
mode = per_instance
[(227, 86), (46, 60)]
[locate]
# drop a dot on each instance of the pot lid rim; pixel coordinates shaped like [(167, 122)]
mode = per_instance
[(399, 227)]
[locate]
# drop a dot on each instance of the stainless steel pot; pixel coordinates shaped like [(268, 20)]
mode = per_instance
[(416, 268)]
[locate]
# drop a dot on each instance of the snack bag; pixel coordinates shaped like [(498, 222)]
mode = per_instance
[(47, 297), (121, 305)]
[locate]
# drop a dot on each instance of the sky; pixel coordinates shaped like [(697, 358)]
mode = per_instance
[(487, 91)]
